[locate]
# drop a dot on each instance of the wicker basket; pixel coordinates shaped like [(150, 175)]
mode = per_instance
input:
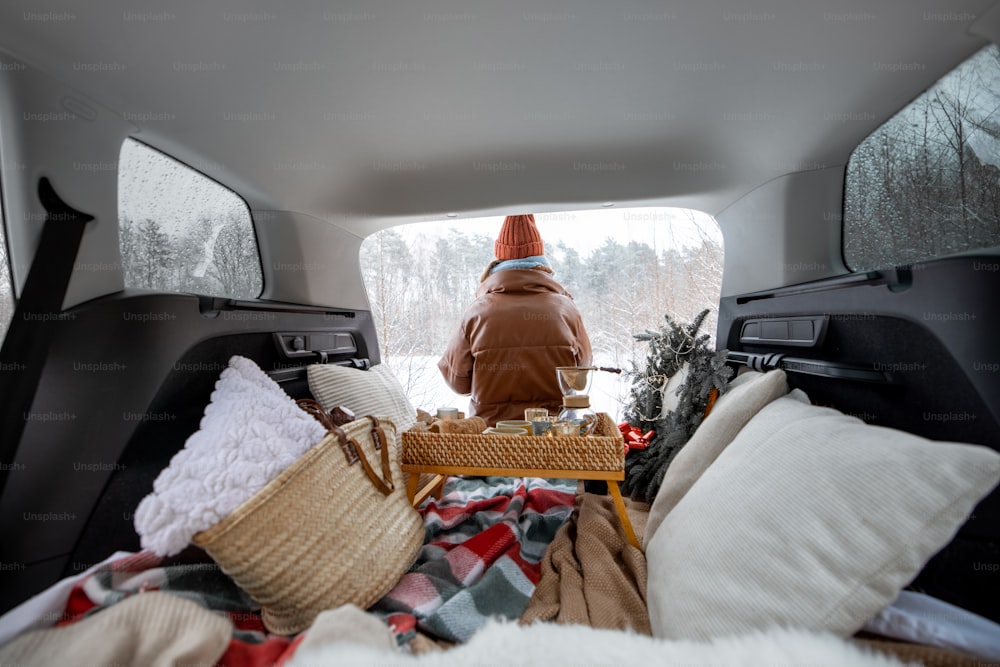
[(319, 535), (604, 452), (512, 451)]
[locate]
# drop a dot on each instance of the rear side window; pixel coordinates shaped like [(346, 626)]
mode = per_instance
[(927, 183), (6, 290), (6, 287), (180, 231)]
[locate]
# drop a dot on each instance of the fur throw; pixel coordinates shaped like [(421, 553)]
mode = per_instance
[(549, 644), (252, 430)]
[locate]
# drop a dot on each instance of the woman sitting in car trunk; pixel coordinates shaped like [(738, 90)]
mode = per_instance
[(521, 326)]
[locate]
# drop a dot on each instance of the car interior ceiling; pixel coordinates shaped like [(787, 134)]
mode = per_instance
[(849, 340)]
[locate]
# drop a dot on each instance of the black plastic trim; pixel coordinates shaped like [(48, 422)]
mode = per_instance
[(807, 331), (832, 370)]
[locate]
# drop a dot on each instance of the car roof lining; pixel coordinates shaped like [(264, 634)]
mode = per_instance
[(392, 115)]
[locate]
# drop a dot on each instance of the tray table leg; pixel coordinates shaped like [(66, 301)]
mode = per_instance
[(411, 486), (616, 496), (432, 488)]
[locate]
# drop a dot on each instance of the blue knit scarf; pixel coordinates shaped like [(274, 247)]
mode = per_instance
[(523, 263)]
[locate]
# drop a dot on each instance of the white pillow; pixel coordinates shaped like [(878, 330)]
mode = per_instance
[(374, 392), (747, 394), (809, 518)]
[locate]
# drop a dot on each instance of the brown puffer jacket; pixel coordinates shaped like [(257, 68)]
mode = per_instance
[(521, 325)]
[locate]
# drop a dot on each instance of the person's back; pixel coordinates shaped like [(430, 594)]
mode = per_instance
[(521, 326)]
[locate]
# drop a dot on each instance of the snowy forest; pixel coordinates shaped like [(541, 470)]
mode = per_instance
[(207, 258), (219, 259), (419, 288), (180, 231), (927, 183), (6, 291)]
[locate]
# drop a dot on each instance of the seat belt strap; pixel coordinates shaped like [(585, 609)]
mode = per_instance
[(38, 312)]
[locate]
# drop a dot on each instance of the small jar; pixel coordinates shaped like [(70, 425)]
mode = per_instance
[(447, 413), (565, 429), (576, 409), (535, 414)]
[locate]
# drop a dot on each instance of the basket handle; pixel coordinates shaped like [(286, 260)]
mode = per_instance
[(313, 407), (354, 453)]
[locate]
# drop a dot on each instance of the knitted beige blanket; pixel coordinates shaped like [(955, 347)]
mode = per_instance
[(590, 574)]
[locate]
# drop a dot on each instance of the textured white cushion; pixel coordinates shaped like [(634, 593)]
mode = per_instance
[(251, 432), (747, 394), (809, 518), (373, 392)]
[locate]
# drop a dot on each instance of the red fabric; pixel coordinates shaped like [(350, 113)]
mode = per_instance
[(247, 620), (78, 604), (290, 651), (543, 500), (275, 650)]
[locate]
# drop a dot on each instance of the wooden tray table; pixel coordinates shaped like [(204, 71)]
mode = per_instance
[(591, 458)]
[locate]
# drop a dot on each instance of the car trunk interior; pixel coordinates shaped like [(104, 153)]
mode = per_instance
[(127, 397), (909, 349), (740, 122)]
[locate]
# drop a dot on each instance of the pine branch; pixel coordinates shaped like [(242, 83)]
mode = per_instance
[(673, 346)]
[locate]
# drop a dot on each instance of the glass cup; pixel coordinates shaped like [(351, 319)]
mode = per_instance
[(566, 429), (542, 426), (535, 414)]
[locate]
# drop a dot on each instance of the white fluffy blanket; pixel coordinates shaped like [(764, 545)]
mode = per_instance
[(251, 431), (547, 645)]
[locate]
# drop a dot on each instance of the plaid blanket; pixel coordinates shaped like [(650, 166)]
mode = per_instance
[(485, 541), (200, 582)]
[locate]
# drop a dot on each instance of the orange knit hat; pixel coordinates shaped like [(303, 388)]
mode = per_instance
[(518, 238)]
